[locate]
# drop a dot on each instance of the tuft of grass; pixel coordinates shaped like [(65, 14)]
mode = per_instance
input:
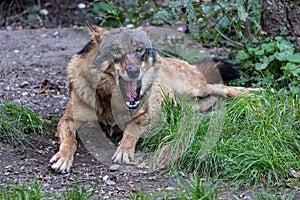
[(192, 189), (78, 193), (31, 191), (261, 142), (197, 189), (254, 139), (34, 191), (18, 122), (142, 195), (269, 194)]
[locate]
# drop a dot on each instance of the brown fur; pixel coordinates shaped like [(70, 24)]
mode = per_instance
[(94, 78)]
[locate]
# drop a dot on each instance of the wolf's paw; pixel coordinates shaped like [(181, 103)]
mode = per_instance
[(61, 162), (123, 155)]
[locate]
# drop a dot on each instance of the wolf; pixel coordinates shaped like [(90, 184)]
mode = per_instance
[(120, 69)]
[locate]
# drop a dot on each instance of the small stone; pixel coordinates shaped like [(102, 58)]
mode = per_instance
[(114, 167), (81, 6), (180, 29), (55, 33), (247, 197), (170, 188), (107, 180), (130, 26), (23, 84), (44, 12), (16, 51)]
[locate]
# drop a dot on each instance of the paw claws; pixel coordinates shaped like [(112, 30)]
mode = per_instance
[(61, 164), (121, 156)]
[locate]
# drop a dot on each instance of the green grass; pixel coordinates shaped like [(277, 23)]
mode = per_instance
[(192, 189), (34, 191), (17, 123), (252, 140), (31, 191)]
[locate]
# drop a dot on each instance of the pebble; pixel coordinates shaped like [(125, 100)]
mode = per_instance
[(44, 12), (55, 33), (180, 29), (170, 188), (108, 181), (23, 84), (16, 51), (81, 6), (130, 26), (247, 197), (115, 167)]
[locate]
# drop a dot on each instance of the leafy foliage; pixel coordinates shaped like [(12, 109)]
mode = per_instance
[(113, 14), (272, 62), (210, 21)]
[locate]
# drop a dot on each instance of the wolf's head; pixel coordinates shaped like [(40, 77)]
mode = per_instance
[(128, 55)]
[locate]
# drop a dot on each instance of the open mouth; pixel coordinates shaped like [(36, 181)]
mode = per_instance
[(131, 92)]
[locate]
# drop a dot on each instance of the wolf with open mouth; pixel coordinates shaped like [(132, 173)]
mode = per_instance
[(124, 60)]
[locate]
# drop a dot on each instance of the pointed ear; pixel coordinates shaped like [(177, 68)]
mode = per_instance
[(144, 26), (96, 31)]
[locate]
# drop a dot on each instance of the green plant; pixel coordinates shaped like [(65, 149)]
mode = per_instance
[(33, 13), (31, 191), (196, 189), (273, 62), (216, 22), (78, 193), (257, 141), (270, 194), (115, 14), (142, 195), (18, 122), (34, 191), (192, 189)]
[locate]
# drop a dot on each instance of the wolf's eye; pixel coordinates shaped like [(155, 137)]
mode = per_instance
[(139, 49)]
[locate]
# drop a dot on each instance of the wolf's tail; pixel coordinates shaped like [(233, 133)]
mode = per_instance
[(227, 70), (216, 70)]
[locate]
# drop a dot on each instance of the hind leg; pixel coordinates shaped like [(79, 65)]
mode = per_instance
[(231, 91)]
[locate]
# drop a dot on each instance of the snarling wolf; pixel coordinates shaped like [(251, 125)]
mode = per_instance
[(120, 69)]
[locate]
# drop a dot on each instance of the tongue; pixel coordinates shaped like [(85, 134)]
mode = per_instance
[(130, 88)]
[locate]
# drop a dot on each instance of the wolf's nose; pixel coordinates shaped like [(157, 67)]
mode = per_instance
[(133, 71)]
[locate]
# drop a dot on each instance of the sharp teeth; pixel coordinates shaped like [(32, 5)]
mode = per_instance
[(132, 106)]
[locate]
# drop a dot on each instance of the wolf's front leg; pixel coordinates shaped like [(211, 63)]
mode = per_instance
[(126, 149), (63, 159)]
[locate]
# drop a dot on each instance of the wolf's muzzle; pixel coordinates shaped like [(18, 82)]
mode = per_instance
[(133, 72)]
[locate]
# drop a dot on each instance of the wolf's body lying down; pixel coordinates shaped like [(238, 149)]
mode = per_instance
[(123, 61)]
